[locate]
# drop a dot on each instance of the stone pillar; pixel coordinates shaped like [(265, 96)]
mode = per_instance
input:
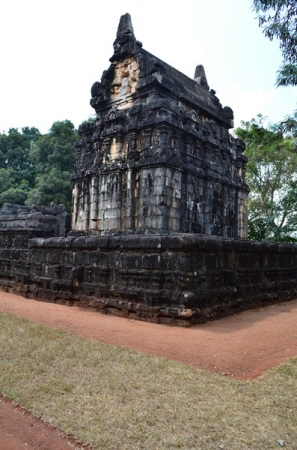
[(136, 199), (128, 219), (86, 205), (132, 143), (113, 149), (75, 194), (102, 202), (119, 146), (207, 207), (106, 150), (242, 214), (147, 138), (164, 136), (94, 203)]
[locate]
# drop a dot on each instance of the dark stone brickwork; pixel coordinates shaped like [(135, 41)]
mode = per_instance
[(179, 279)]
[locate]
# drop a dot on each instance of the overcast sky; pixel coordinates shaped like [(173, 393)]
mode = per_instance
[(52, 51)]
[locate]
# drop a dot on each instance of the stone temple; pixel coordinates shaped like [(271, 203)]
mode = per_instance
[(159, 157), (159, 218)]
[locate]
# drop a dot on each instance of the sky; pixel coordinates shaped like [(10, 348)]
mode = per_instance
[(52, 51)]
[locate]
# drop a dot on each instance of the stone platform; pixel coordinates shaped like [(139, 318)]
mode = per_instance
[(178, 279)]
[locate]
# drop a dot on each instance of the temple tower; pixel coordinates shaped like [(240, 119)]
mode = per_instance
[(159, 157)]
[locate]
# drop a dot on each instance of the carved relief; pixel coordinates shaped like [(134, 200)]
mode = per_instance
[(126, 77)]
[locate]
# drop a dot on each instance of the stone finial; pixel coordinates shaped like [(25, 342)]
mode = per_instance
[(200, 76), (228, 113), (125, 32)]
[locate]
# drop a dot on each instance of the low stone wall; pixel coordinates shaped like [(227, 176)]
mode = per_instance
[(177, 279), (34, 220)]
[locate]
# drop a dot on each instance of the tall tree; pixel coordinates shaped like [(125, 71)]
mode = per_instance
[(272, 178), (278, 18), (16, 166), (54, 158)]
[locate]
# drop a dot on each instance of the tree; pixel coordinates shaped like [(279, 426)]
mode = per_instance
[(16, 166), (54, 157), (272, 178), (53, 186), (11, 190), (278, 18)]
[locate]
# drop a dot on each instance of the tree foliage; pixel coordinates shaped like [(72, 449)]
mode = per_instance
[(54, 158), (36, 168), (272, 178), (17, 170), (278, 18)]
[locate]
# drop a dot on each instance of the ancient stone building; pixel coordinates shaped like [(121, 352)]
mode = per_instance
[(159, 157), (159, 207)]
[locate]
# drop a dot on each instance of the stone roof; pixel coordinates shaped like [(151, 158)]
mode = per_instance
[(153, 70)]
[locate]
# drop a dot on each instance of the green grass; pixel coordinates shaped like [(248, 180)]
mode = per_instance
[(113, 398)]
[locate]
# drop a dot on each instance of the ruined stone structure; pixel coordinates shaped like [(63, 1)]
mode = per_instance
[(35, 220), (159, 157), (159, 207)]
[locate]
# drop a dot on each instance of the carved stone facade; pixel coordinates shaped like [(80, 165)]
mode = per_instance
[(158, 158)]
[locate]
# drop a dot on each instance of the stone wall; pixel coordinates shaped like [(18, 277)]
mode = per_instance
[(178, 279)]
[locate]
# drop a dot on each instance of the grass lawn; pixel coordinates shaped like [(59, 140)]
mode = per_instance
[(119, 399)]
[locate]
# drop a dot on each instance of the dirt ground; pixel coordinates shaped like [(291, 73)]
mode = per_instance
[(242, 346)]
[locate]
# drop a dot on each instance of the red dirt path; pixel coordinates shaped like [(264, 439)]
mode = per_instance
[(242, 346)]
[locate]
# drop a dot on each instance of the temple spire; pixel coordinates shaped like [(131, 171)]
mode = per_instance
[(200, 76), (125, 33), (125, 27)]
